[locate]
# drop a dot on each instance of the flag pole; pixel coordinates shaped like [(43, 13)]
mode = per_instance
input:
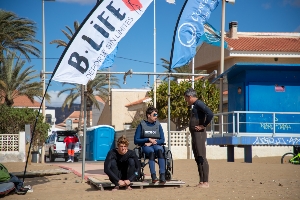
[(154, 57), (169, 87), (84, 135)]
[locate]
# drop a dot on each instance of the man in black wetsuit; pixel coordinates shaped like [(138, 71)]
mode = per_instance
[(121, 165), (201, 116)]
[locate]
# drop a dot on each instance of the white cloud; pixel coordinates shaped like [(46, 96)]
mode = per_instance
[(266, 6), (82, 2), (292, 2), (297, 29), (58, 101)]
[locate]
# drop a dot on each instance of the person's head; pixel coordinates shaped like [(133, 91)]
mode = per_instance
[(151, 114), (190, 96), (122, 144)]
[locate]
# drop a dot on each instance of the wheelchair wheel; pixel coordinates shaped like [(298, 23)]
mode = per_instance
[(169, 162), (168, 175), (142, 177)]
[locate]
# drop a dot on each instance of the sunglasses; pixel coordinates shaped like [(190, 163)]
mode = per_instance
[(155, 115)]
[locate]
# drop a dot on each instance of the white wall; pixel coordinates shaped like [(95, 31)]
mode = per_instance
[(15, 156), (51, 112)]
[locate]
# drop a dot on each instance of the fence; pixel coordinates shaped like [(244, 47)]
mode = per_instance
[(180, 142), (181, 145), (12, 147), (251, 123)]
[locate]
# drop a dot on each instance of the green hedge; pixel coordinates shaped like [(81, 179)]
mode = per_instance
[(13, 121)]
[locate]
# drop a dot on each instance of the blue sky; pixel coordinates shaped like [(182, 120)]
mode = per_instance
[(136, 49)]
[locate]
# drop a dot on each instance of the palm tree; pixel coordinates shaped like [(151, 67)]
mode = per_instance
[(61, 43), (182, 69), (17, 34), (95, 87), (14, 83)]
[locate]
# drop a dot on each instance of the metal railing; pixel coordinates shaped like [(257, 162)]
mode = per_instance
[(257, 123)]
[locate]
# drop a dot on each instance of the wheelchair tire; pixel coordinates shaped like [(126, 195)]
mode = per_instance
[(169, 161), (168, 175), (142, 177)]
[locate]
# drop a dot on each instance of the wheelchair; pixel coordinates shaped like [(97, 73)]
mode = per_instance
[(144, 161)]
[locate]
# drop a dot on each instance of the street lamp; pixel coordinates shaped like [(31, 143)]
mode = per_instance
[(43, 56), (222, 62)]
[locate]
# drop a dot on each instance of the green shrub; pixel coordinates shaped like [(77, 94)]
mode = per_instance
[(13, 121)]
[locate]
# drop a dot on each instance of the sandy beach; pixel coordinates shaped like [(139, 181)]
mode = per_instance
[(265, 178)]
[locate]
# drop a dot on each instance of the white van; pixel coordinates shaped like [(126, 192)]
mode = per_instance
[(56, 148)]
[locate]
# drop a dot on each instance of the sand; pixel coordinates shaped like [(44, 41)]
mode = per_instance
[(265, 178)]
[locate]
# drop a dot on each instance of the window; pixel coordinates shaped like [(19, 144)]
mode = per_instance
[(49, 119)]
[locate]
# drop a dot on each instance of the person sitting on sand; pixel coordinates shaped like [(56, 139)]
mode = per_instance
[(121, 165), (6, 177)]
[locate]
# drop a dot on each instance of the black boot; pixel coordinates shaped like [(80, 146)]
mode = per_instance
[(154, 178), (162, 178)]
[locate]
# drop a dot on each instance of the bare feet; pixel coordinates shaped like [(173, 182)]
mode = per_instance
[(199, 184), (116, 188), (128, 187), (205, 185)]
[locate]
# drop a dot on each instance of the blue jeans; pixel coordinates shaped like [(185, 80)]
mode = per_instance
[(18, 183), (161, 161)]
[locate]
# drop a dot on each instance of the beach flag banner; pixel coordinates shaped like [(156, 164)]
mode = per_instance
[(212, 36), (97, 37), (109, 60), (189, 30)]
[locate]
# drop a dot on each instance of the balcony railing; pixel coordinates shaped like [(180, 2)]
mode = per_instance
[(257, 123)]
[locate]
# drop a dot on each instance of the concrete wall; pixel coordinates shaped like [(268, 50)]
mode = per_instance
[(96, 113), (15, 152), (117, 114)]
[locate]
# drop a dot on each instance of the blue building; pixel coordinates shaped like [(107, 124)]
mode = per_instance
[(263, 107)]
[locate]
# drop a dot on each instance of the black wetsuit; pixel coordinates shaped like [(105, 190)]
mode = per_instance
[(121, 167), (200, 115)]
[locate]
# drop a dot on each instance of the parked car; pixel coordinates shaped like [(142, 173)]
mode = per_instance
[(56, 148)]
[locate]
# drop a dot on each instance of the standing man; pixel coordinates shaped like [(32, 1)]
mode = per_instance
[(122, 165), (201, 116), (70, 141)]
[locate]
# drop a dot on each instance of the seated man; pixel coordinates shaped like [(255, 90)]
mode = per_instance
[(121, 165), (150, 136)]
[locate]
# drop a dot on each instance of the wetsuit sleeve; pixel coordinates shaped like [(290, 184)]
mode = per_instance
[(162, 136), (200, 106), (107, 166), (137, 166), (137, 136)]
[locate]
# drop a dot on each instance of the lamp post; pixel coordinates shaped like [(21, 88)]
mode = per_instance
[(222, 62), (43, 56)]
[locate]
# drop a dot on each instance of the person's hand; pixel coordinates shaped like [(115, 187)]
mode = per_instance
[(127, 182), (199, 128), (148, 144), (153, 141), (121, 183)]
